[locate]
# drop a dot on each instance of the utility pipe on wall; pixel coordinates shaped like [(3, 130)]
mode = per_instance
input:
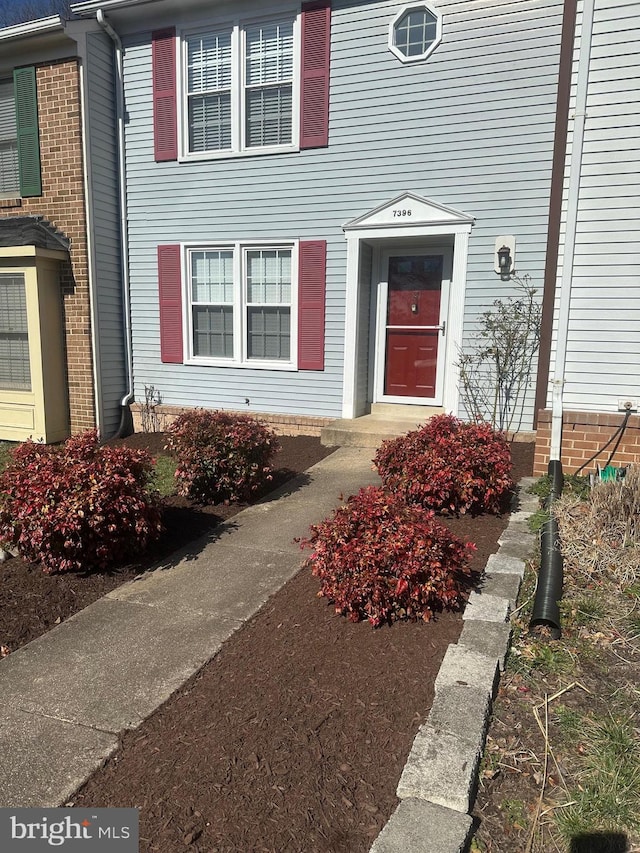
[(122, 196), (575, 170)]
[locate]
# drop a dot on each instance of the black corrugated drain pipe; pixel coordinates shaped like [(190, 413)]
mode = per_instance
[(546, 609)]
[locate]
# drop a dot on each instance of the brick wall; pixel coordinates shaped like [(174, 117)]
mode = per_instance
[(157, 418), (62, 203), (583, 433)]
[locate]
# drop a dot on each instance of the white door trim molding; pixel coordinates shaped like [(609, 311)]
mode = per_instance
[(351, 331), (419, 219)]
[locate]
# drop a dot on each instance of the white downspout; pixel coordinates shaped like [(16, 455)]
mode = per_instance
[(122, 193), (573, 197), (91, 258)]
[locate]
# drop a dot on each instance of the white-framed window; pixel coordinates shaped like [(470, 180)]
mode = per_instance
[(242, 304), (9, 175), (415, 33), (240, 88)]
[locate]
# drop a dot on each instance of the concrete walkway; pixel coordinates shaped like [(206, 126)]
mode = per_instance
[(65, 697)]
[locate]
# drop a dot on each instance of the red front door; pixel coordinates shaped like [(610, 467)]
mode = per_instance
[(413, 325)]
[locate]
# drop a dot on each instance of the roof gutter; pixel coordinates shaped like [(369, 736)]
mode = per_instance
[(91, 6), (31, 28), (122, 197), (573, 197)]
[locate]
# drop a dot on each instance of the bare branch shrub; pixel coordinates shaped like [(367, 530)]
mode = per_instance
[(149, 416), (496, 369)]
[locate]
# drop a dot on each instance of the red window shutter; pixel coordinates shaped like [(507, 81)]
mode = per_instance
[(170, 290), (314, 107), (165, 103), (312, 273)]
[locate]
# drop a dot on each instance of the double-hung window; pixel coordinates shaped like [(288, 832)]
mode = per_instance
[(9, 173), (241, 301), (239, 88)]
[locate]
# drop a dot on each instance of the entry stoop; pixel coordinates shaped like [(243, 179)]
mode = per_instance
[(385, 421)]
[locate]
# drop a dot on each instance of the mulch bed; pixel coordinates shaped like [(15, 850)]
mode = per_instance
[(294, 736), (31, 603)]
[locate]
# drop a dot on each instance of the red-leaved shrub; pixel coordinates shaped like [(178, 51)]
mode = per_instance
[(79, 506), (448, 466), (221, 456), (381, 560)]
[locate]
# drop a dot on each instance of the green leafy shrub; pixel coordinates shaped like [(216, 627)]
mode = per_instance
[(381, 560), (448, 466), (221, 456), (79, 506)]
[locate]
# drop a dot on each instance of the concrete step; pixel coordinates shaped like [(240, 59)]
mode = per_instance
[(367, 431), (397, 410)]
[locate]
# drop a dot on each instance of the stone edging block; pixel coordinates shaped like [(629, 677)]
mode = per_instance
[(516, 534), (440, 768), (520, 548), (502, 585), (418, 826), (462, 711), (467, 667), (490, 638), (486, 608), (504, 564)]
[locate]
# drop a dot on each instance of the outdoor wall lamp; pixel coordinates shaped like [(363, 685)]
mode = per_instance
[(505, 251)]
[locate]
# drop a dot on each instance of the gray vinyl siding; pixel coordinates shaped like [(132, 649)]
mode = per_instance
[(472, 128), (603, 357), (105, 236)]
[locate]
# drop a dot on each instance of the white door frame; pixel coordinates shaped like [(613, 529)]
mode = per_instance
[(381, 301), (423, 221)]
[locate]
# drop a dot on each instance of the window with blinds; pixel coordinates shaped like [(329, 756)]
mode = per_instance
[(239, 87), (15, 372), (212, 298), (269, 84), (268, 296), (9, 173), (241, 303), (209, 91)]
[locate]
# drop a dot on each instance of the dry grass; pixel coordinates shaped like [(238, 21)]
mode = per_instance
[(564, 742), (601, 536)]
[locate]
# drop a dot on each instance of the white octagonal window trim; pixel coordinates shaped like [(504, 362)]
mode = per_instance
[(415, 32)]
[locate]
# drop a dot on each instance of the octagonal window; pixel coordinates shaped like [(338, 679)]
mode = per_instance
[(415, 33)]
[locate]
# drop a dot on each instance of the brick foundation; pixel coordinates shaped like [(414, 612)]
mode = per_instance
[(583, 433), (62, 203), (158, 418)]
